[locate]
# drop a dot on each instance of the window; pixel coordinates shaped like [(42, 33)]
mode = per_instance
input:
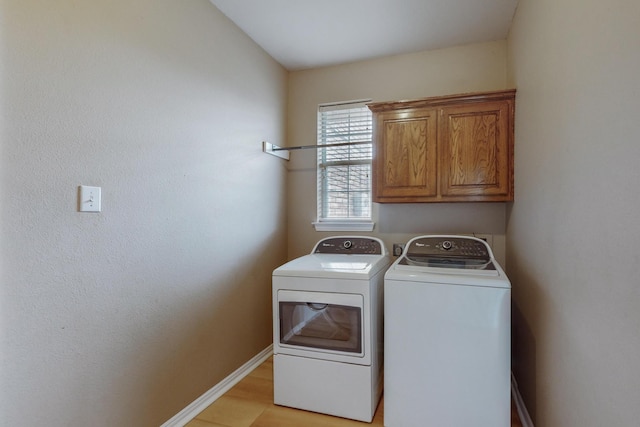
[(344, 167)]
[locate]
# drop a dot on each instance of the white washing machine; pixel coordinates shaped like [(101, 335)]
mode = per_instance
[(327, 328), (447, 336)]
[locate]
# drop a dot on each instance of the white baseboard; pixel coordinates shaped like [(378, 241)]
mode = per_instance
[(201, 403), (522, 409)]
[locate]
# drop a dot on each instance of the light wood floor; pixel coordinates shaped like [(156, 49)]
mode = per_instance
[(250, 404)]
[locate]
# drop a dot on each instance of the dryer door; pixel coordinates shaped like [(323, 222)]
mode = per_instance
[(321, 323)]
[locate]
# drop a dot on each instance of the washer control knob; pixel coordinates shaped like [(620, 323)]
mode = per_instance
[(347, 244), (446, 245)]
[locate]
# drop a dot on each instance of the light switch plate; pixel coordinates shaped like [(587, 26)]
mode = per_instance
[(89, 199)]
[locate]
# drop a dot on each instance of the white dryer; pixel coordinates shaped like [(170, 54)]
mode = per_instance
[(327, 328), (447, 336)]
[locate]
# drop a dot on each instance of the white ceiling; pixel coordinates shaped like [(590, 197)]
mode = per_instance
[(302, 34)]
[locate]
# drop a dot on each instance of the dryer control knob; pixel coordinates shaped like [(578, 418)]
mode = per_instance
[(446, 245), (347, 244)]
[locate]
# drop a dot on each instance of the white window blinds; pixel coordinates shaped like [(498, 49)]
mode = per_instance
[(344, 171)]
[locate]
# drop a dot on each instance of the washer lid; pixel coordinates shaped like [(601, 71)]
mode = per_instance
[(335, 266)]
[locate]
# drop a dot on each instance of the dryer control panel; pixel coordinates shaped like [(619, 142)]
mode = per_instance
[(350, 245)]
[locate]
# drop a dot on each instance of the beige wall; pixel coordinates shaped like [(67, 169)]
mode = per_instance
[(123, 318), (462, 69), (573, 236)]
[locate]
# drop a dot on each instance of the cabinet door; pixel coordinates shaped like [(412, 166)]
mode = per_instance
[(405, 155), (475, 156)]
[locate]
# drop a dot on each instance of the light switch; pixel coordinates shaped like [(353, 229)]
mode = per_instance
[(89, 199)]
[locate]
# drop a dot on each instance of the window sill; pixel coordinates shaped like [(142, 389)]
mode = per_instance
[(344, 225)]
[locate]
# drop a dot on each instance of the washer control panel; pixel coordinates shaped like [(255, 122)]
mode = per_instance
[(350, 245), (448, 252), (449, 246)]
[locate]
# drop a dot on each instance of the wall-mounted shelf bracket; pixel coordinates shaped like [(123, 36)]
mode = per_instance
[(274, 150)]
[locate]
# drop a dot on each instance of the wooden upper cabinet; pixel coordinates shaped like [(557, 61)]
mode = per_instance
[(407, 166), (455, 148), (475, 151)]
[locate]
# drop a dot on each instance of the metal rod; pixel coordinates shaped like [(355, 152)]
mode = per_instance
[(304, 147)]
